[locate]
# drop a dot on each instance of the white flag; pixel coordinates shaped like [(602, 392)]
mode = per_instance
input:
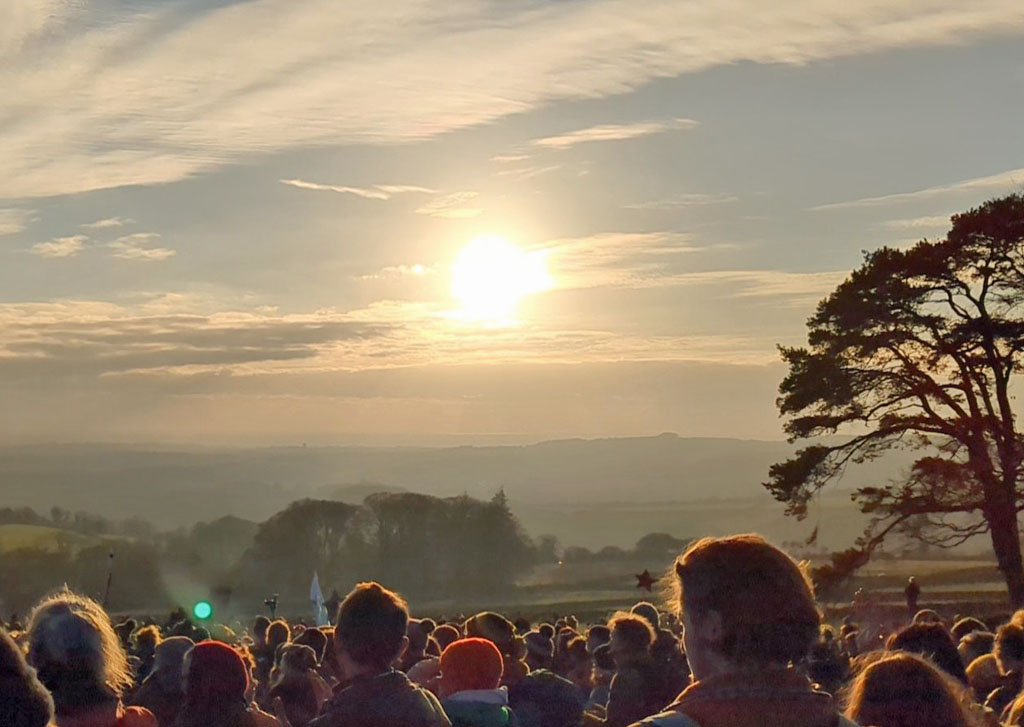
[(316, 597)]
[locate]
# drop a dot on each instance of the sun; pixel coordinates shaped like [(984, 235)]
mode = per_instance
[(491, 275)]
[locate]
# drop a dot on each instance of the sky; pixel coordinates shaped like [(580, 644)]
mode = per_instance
[(236, 222)]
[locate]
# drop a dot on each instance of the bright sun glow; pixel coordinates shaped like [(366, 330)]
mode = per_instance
[(491, 275)]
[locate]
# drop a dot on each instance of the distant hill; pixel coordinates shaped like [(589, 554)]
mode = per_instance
[(183, 486)]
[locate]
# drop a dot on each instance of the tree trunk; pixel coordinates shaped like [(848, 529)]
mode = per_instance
[(1006, 543)]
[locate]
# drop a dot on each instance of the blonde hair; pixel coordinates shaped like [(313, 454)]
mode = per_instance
[(71, 634)]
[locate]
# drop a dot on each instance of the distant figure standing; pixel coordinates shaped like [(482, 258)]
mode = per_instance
[(913, 593)]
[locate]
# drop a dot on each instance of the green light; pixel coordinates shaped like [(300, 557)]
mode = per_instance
[(202, 610)]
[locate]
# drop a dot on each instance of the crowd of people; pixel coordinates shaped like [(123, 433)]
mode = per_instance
[(743, 645)]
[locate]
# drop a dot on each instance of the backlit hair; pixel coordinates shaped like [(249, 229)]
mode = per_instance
[(905, 690), (71, 639), (765, 600), (635, 630)]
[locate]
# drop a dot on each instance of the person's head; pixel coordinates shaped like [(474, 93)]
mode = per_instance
[(548, 630), (539, 650), (445, 635), (470, 664), (278, 633), (146, 639), (370, 631), (927, 616), (296, 661), (905, 690), (124, 630), (76, 653), (314, 639), (649, 612), (24, 701), (975, 644), (216, 686), (932, 641), (597, 635), (966, 626), (604, 665), (1009, 648), (631, 639), (260, 624), (578, 665), (418, 634), (743, 601), (168, 660), (522, 626), (495, 628)]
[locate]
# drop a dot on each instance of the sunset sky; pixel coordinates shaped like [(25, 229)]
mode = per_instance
[(236, 222)]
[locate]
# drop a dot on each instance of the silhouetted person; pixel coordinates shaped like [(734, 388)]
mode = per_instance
[(499, 631), (369, 637), (913, 594), (932, 641), (216, 683), (24, 701), (749, 614), (163, 691), (295, 682), (79, 658), (636, 689), (1009, 653), (470, 675), (904, 690), (601, 679)]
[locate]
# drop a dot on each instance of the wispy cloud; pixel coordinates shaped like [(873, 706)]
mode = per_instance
[(137, 93), (135, 247), (109, 223), (509, 158), (682, 200), (529, 172), (396, 272), (377, 191), (1004, 181), (14, 220), (60, 247), (452, 205), (614, 132), (930, 222)]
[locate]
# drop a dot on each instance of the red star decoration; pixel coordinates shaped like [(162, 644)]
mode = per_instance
[(645, 580)]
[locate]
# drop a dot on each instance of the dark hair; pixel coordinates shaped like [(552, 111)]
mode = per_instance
[(603, 658), (24, 701), (445, 634), (930, 640), (764, 599), (278, 633), (547, 630), (260, 624), (314, 639), (1009, 643), (634, 630), (600, 632), (371, 625), (966, 626)]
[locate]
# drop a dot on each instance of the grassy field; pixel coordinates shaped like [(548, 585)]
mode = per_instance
[(14, 537)]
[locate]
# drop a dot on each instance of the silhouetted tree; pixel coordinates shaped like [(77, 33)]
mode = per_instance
[(918, 348)]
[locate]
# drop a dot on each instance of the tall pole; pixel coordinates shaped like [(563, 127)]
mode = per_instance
[(110, 577)]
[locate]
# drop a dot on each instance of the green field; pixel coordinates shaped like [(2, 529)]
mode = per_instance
[(40, 537)]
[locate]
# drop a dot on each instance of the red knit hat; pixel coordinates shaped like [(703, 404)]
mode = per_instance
[(470, 664), (216, 668)]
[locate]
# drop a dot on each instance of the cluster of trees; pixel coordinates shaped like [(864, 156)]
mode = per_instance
[(422, 545), (654, 547)]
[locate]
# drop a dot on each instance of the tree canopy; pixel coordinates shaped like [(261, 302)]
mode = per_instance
[(918, 348)]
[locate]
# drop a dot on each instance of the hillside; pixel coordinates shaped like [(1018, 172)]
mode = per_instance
[(550, 484)]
